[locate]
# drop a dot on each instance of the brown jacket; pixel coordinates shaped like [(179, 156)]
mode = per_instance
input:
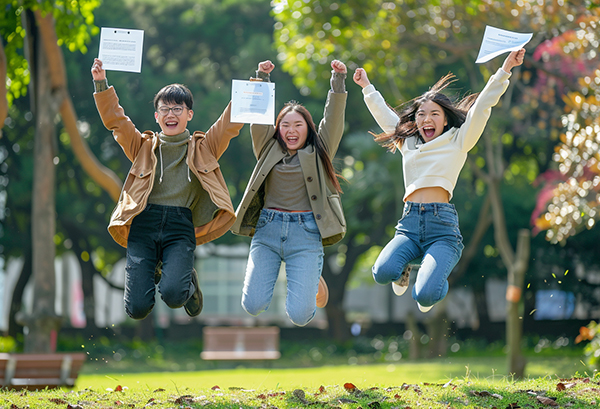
[(324, 199), (204, 150)]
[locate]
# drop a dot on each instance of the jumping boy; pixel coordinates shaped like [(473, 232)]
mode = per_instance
[(173, 199)]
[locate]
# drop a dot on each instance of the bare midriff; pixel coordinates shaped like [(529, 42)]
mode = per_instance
[(289, 211), (434, 194)]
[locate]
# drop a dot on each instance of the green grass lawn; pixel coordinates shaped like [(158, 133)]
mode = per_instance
[(490, 369), (458, 383)]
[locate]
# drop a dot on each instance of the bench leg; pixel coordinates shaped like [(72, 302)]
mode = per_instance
[(11, 367)]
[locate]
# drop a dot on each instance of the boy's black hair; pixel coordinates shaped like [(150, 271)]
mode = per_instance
[(174, 94)]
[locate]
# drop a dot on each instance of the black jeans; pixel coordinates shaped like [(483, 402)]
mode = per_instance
[(159, 233)]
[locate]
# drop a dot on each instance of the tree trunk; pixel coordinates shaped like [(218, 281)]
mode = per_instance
[(336, 316), (438, 330), (414, 347), (87, 272), (105, 177), (14, 328), (516, 266), (43, 322), (514, 313)]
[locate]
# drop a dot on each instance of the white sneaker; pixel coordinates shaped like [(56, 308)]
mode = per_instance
[(424, 309), (401, 285)]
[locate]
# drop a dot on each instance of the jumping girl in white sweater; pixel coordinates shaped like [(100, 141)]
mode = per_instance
[(434, 135)]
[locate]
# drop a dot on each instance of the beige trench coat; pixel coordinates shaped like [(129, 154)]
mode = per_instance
[(324, 199)]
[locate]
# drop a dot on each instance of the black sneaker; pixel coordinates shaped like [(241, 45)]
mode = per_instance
[(193, 306)]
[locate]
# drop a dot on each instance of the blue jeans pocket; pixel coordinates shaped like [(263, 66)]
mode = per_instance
[(309, 224), (447, 218), (262, 221)]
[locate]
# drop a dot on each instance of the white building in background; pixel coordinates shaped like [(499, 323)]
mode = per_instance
[(221, 270)]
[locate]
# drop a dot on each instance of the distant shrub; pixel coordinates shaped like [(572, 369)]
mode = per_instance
[(7, 344), (592, 350)]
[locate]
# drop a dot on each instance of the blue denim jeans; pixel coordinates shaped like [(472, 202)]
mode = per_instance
[(295, 239), (428, 230), (159, 233)]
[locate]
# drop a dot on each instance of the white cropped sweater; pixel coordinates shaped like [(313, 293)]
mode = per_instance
[(439, 161)]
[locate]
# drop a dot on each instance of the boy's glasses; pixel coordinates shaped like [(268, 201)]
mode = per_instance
[(164, 110)]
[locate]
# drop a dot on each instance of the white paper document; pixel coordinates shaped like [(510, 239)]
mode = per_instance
[(121, 49), (497, 41), (253, 102)]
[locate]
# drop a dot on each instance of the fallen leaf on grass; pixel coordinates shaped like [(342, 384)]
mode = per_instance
[(562, 386), (184, 399), (321, 390), (546, 401), (299, 393), (58, 401), (350, 387)]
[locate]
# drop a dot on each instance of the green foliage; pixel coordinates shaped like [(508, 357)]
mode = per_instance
[(74, 23), (591, 333), (7, 344)]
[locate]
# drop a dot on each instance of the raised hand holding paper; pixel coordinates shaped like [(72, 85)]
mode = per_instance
[(253, 102), (121, 49), (497, 41)]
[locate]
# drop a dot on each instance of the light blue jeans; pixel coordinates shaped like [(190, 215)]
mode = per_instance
[(295, 239), (428, 230)]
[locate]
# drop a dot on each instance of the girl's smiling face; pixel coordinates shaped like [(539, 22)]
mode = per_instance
[(294, 131), (431, 120)]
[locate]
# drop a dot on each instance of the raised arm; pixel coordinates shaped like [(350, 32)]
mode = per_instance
[(331, 127), (261, 134), (112, 114), (514, 59), (99, 76), (386, 117), (480, 112)]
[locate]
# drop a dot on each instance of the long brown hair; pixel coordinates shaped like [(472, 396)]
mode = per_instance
[(312, 138), (455, 112)]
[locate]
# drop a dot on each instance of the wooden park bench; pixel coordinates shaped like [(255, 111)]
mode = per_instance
[(231, 343), (38, 371)]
